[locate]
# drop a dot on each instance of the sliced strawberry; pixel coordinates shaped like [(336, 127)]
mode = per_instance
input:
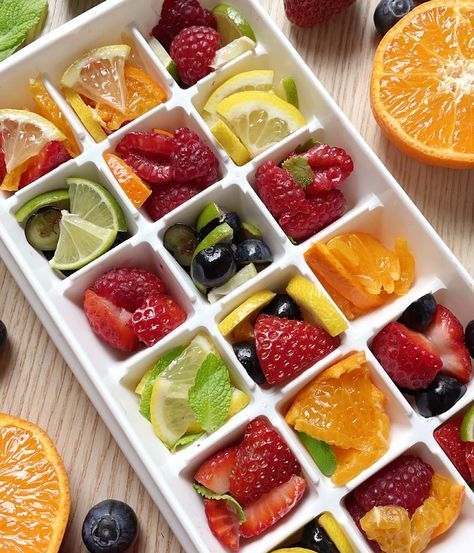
[(150, 170), (272, 507), (215, 472), (51, 156), (446, 333), (449, 438), (149, 143), (110, 323), (223, 522)]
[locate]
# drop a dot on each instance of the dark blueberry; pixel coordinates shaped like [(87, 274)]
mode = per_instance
[(469, 338), (284, 307), (3, 335), (213, 266), (247, 355), (181, 241), (389, 12), (231, 218), (440, 396), (315, 538), (419, 314), (253, 251), (111, 526)]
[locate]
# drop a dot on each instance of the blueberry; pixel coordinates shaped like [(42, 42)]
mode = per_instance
[(247, 356), (389, 12), (213, 266), (3, 335), (315, 539), (231, 218), (469, 338), (283, 306), (440, 395), (253, 251), (419, 314), (111, 526)]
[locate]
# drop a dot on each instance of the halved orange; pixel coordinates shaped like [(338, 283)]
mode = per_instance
[(34, 488), (422, 89)]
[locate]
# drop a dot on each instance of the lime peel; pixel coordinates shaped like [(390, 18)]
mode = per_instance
[(208, 494), (56, 198), (467, 425)]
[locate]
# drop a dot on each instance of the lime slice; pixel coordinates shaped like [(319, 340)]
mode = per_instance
[(141, 385), (289, 91), (164, 57), (55, 198), (467, 425), (335, 533), (94, 203), (245, 311), (222, 234), (80, 242), (232, 50), (321, 452), (251, 231), (231, 143), (245, 274), (210, 212), (260, 119), (231, 23)]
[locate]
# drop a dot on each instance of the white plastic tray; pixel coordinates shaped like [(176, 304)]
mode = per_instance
[(376, 204)]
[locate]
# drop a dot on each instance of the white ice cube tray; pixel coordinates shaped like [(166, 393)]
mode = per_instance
[(376, 204)]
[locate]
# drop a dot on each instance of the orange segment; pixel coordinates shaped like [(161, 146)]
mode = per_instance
[(136, 190), (34, 489), (424, 522), (407, 267), (389, 527), (422, 91), (11, 182), (450, 496)]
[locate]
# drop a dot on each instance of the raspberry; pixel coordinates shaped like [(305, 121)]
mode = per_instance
[(147, 143), (169, 196), (306, 13), (148, 169), (156, 318), (193, 50), (51, 156), (449, 438), (331, 166), (177, 15), (191, 159), (405, 482), (357, 512), (305, 219), (128, 287)]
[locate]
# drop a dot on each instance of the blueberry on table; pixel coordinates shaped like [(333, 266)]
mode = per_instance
[(284, 307), (111, 526), (390, 12), (469, 337), (440, 395), (3, 335), (419, 315), (253, 251), (247, 356), (213, 266)]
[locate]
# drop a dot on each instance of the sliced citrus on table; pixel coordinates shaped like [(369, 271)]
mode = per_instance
[(422, 89), (133, 186), (34, 489), (390, 527)]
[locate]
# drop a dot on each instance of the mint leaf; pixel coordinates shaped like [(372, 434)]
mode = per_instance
[(204, 492), (163, 362), (299, 169), (17, 19), (187, 439), (321, 452), (211, 394)]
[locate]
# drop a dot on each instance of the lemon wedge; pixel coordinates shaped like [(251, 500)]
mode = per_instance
[(245, 311), (231, 143), (85, 114)]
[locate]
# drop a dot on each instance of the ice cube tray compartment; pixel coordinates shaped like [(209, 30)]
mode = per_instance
[(375, 203)]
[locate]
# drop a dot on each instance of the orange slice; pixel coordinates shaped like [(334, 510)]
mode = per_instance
[(34, 489), (390, 527), (422, 89), (133, 186)]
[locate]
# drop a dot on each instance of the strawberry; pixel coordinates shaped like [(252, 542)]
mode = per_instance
[(263, 462), (446, 333), (51, 156), (448, 437), (409, 358), (272, 507), (306, 13), (215, 472), (223, 522), (286, 347), (110, 323), (470, 459)]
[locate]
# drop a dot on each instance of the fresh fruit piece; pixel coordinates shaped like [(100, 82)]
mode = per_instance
[(209, 213), (223, 522), (294, 550), (11, 181), (146, 143), (249, 231), (389, 12), (215, 472), (181, 240), (190, 157), (410, 360), (427, 117), (244, 332), (153, 171), (448, 437), (405, 482), (3, 335), (443, 392), (165, 198), (231, 143), (390, 527), (272, 506), (247, 355), (331, 166), (290, 91), (309, 344), (357, 512), (335, 532), (423, 523), (446, 334), (321, 452), (467, 426), (307, 13), (241, 277), (213, 266), (232, 50), (133, 186), (35, 488), (469, 338), (85, 114), (42, 229), (470, 460), (450, 497), (110, 323), (419, 315), (51, 156), (253, 251), (245, 311), (317, 309), (298, 167), (407, 267), (110, 526), (161, 53), (55, 198), (229, 217), (232, 23), (315, 538), (259, 119), (284, 307)]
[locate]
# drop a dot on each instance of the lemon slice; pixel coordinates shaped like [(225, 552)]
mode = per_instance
[(249, 80), (245, 311), (335, 533), (260, 119), (231, 143), (100, 76), (232, 50), (85, 114), (24, 135)]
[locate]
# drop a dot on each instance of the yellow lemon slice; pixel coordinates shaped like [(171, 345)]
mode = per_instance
[(245, 311), (231, 143)]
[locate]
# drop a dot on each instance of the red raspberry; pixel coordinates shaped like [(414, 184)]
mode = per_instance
[(331, 167), (177, 15), (156, 318), (263, 462), (151, 170), (128, 287), (306, 13), (357, 512), (51, 156), (315, 213), (287, 347), (193, 50), (169, 196), (191, 159), (449, 438), (150, 144), (405, 482)]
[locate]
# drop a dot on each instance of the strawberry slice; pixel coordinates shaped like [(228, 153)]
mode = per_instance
[(215, 472), (51, 156), (446, 333), (223, 522), (272, 507), (448, 437)]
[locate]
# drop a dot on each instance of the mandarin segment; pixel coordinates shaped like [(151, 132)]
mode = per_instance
[(390, 527), (450, 496), (424, 522), (133, 186)]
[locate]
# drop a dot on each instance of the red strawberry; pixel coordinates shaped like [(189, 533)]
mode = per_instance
[(331, 166), (154, 171), (449, 438), (357, 512), (306, 13), (263, 462), (191, 159), (147, 143), (3, 167), (287, 347), (51, 156), (223, 522), (272, 507), (409, 358), (110, 323), (215, 472), (156, 318), (446, 333), (169, 196), (470, 459)]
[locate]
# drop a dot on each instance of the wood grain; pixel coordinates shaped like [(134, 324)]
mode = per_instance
[(36, 384)]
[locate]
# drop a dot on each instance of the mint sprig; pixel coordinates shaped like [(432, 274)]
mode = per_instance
[(299, 169), (187, 439), (208, 494)]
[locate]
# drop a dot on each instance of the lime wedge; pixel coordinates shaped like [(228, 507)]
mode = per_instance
[(95, 204), (231, 23), (210, 212), (231, 143), (245, 274), (55, 198), (289, 91), (321, 452), (251, 231), (245, 310), (164, 57), (467, 425), (222, 234), (232, 50)]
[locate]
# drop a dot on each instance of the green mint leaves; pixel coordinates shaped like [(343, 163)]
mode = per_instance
[(187, 439), (321, 452), (204, 492), (299, 169)]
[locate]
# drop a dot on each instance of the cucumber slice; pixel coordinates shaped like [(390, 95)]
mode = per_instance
[(181, 240)]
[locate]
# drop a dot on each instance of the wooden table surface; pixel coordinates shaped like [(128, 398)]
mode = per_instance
[(36, 384)]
